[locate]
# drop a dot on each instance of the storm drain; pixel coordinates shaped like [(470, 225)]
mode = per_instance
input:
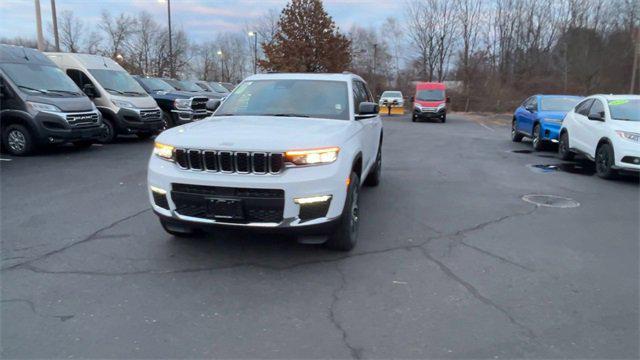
[(551, 201)]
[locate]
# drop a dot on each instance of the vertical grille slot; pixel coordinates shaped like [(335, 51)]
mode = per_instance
[(242, 162), (259, 163), (181, 158), (276, 162), (226, 161), (210, 161), (195, 159)]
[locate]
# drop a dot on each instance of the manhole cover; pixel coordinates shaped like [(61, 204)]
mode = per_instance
[(551, 201)]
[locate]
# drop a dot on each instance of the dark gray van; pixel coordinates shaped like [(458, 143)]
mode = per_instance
[(41, 105)]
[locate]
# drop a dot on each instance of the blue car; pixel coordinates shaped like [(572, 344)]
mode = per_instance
[(540, 117)]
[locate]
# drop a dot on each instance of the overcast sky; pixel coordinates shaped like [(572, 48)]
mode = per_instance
[(201, 19)]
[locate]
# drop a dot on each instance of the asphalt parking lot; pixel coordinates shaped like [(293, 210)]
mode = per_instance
[(451, 261)]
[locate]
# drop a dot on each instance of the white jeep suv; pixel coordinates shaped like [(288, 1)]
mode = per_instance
[(283, 151), (606, 129)]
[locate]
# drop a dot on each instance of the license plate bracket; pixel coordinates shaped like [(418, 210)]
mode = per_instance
[(225, 208)]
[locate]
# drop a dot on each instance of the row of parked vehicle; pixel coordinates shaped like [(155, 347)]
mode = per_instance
[(57, 98), (429, 101), (603, 128)]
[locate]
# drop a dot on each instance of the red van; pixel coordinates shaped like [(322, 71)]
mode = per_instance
[(430, 101)]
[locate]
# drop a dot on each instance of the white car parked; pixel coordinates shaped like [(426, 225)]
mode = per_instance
[(283, 151), (606, 129), (391, 97)]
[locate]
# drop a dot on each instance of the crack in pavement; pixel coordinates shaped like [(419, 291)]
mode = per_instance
[(476, 294), (501, 258), (460, 233), (32, 306), (356, 353), (90, 237)]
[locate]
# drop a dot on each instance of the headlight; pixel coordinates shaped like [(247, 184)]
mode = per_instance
[(35, 107), (164, 151), (123, 104), (554, 121), (182, 104), (635, 137), (312, 157)]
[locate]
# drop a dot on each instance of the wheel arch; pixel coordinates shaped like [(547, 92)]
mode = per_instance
[(357, 164), (16, 117)]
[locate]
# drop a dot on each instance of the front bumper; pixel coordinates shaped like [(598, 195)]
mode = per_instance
[(181, 117), (56, 128), (428, 114), (550, 131), (133, 121), (293, 182), (626, 153)]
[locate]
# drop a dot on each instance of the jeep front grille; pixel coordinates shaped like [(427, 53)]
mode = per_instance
[(241, 162)]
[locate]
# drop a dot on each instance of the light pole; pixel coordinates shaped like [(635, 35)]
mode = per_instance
[(255, 50), (39, 27), (171, 69), (221, 65), (54, 17)]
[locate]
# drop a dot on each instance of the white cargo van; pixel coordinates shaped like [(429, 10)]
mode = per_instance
[(125, 106)]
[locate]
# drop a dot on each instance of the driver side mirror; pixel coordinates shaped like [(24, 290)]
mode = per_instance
[(89, 90), (596, 116), (448, 100), (368, 108), (530, 108), (212, 105)]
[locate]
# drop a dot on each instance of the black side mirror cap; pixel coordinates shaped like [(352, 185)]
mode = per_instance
[(448, 100), (368, 108), (596, 117), (212, 105)]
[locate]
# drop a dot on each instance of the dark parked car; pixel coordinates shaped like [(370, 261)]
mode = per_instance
[(41, 105), (192, 87), (178, 107), (213, 87)]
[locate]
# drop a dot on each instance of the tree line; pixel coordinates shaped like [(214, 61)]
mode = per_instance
[(493, 52)]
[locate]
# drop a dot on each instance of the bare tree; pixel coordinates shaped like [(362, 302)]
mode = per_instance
[(468, 16), (70, 31), (118, 32)]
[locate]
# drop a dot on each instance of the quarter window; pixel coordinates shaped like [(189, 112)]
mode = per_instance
[(583, 107)]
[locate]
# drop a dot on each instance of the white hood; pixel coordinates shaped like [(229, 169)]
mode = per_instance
[(260, 133)]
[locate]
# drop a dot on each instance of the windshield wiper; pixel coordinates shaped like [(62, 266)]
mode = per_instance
[(64, 91), (133, 92), (42, 91), (288, 115), (226, 114), (114, 90)]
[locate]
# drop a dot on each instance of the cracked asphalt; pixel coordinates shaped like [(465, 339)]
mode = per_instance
[(451, 262)]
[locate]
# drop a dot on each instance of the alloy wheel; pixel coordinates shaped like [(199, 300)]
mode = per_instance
[(602, 161), (16, 141)]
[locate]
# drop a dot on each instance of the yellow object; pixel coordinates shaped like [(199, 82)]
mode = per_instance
[(395, 110)]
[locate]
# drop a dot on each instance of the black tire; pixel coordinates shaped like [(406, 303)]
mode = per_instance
[(604, 161), (413, 118), (563, 147), (167, 120), (443, 118), (17, 140), (181, 234), (515, 135), (536, 140), (345, 236), (109, 133), (144, 135), (373, 179), (84, 144)]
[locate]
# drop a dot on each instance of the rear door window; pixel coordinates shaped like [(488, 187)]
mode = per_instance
[(583, 107), (598, 108)]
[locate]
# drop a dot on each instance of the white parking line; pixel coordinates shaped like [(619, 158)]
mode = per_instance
[(1, 159), (485, 126)]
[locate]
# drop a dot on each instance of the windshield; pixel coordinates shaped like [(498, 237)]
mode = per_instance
[(189, 86), (41, 79), (430, 95), (395, 94), (300, 98), (218, 88), (117, 82), (558, 103), (625, 109), (155, 84)]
